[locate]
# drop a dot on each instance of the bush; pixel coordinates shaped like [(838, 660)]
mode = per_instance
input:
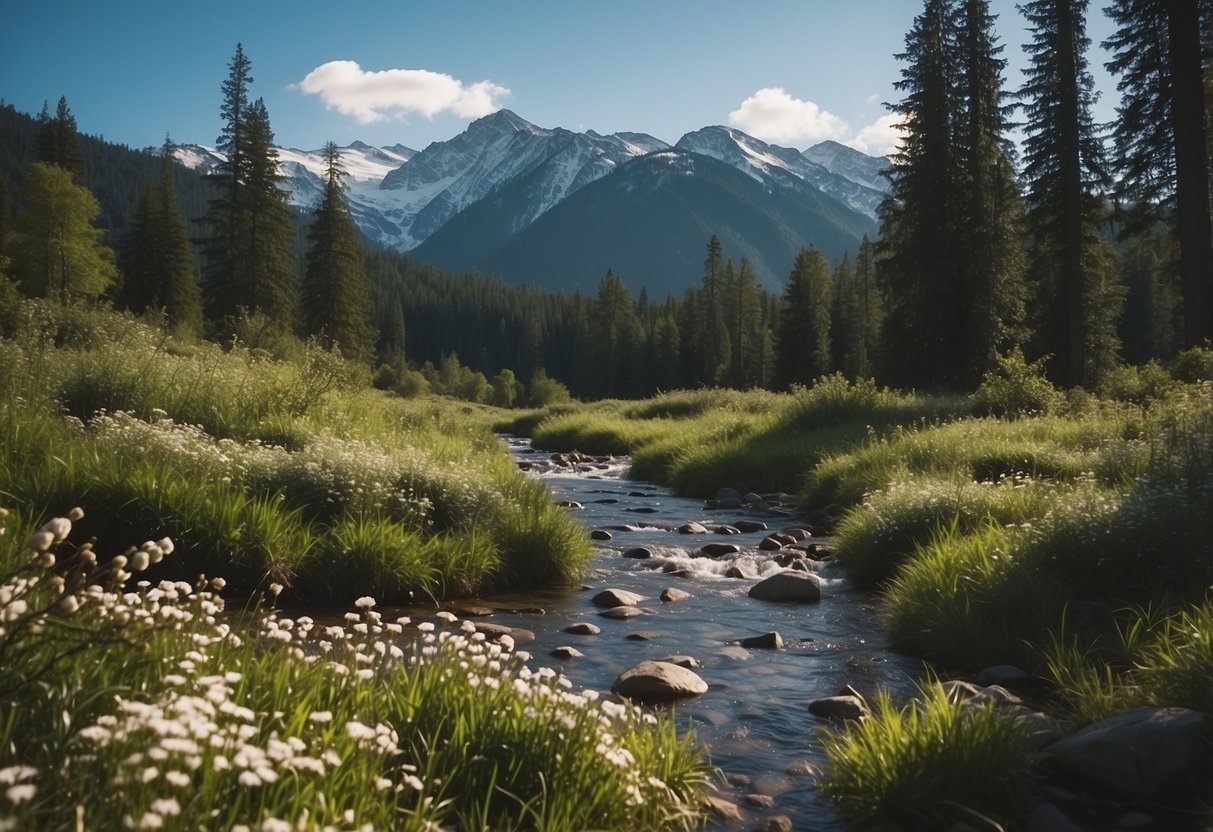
[(1016, 388), (1194, 365)]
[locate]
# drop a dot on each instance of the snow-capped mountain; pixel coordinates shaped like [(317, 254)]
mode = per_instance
[(470, 201), (773, 164)]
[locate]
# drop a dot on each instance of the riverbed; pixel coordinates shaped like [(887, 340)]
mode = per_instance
[(754, 717)]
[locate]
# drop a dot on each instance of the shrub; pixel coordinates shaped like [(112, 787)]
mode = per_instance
[(1194, 365), (1016, 388)]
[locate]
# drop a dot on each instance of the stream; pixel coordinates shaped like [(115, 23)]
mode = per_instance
[(754, 717)]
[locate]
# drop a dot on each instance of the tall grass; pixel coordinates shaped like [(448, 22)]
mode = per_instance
[(270, 470), (929, 764)]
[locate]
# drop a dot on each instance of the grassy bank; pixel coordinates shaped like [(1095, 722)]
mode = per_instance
[(286, 469), (137, 704), (1069, 534)]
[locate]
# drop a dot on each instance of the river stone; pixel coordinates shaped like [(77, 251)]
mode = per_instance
[(583, 628), (643, 635), (473, 612), (692, 528), (600, 534), (573, 504), (788, 586), (770, 641), (616, 598), (689, 662), (736, 572), (718, 550), (672, 593), (726, 529), (658, 682), (775, 823), (494, 632), (839, 707), (802, 768), (722, 808), (639, 553), (749, 526), (1150, 754), (567, 653), (623, 613), (762, 801), (797, 534)]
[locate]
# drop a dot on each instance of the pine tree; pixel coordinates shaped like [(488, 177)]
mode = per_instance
[(1162, 136), (56, 250), (802, 350), (871, 308), (742, 311), (336, 293), (613, 329), (59, 141), (713, 349), (846, 321), (1065, 168), (250, 260), (951, 226), (991, 276), (919, 246), (158, 262)]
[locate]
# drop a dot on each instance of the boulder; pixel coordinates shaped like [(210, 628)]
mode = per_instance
[(727, 529), (658, 682), (775, 823), (692, 528), (717, 550), (722, 808), (788, 587), (689, 662), (839, 707), (600, 534), (797, 534), (639, 553), (643, 635), (736, 572), (567, 653), (762, 801), (494, 632), (727, 493), (616, 598), (583, 628), (774, 542), (670, 594), (753, 500), (1150, 754), (750, 526), (770, 641)]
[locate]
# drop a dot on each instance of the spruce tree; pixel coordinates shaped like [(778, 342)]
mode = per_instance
[(714, 348), (846, 321), (919, 247), (1066, 172), (951, 225), (1162, 136), (250, 259), (613, 329), (59, 140), (158, 262), (802, 350), (336, 293)]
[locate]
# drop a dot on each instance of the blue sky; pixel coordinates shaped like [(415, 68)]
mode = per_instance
[(788, 71)]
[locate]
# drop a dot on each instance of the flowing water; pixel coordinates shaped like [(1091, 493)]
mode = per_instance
[(753, 718)]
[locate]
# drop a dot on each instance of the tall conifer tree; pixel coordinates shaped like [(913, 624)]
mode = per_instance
[(250, 258), (1162, 136), (159, 262), (1066, 172), (59, 140), (802, 350), (336, 293)]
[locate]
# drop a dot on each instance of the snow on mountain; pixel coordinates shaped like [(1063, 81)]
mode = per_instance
[(772, 164), (866, 170)]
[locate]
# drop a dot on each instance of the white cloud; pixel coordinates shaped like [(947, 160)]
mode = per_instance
[(880, 138), (374, 96), (773, 115)]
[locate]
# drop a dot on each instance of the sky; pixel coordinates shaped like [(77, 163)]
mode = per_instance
[(791, 72)]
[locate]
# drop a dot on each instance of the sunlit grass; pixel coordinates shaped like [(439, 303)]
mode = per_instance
[(928, 764)]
